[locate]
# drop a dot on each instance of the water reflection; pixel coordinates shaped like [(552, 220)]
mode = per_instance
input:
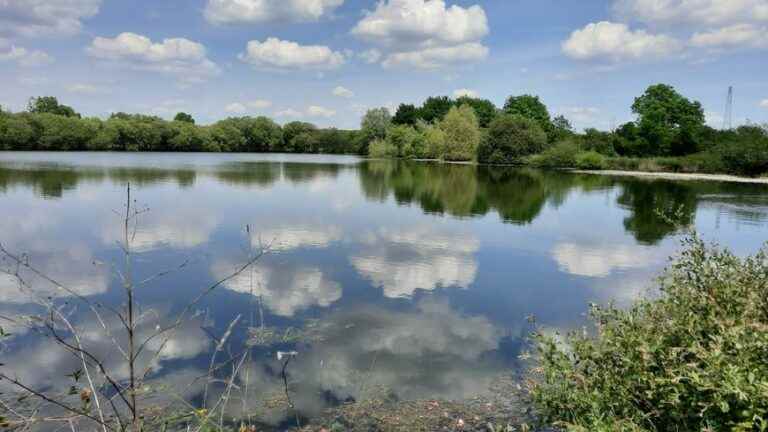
[(409, 278)]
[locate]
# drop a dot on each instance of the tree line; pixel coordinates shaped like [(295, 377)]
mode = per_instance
[(52, 126), (669, 134)]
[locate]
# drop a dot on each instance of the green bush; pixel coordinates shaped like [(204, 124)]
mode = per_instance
[(561, 155), (380, 148), (512, 137), (745, 157), (693, 359), (591, 161), (462, 134)]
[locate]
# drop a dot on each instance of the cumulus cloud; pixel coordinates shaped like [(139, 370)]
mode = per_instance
[(311, 111), (243, 107), (282, 54), (179, 57), (371, 56), (319, 111), (424, 33), (343, 92), (617, 42), (735, 36), (764, 103), (465, 93), (258, 11), (403, 261), (32, 18), (85, 88), (291, 237), (22, 56), (599, 260), (433, 58), (285, 289), (701, 12)]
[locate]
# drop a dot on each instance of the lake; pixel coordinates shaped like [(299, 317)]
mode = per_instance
[(418, 279)]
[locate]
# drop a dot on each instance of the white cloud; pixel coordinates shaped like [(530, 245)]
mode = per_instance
[(465, 92), (433, 58), (242, 107), (403, 261), (285, 289), (735, 36), (257, 11), (85, 88), (600, 260), (343, 92), (311, 111), (280, 54), (33, 18), (23, 56), (616, 42), (179, 57), (318, 111), (701, 12), (424, 33), (581, 116), (371, 56), (764, 103)]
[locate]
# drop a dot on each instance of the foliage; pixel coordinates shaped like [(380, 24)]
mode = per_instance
[(50, 105), (692, 360), (669, 122), (511, 137), (435, 108), (590, 160), (380, 148), (529, 107), (462, 134), (184, 117), (484, 109), (560, 129), (599, 142), (375, 124), (407, 114), (561, 155)]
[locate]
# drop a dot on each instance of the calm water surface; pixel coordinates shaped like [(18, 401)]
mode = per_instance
[(412, 277)]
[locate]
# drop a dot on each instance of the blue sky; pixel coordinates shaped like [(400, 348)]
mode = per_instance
[(326, 61)]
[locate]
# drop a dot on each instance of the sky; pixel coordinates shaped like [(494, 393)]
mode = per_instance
[(327, 61)]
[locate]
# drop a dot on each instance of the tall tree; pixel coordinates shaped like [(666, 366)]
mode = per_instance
[(50, 105), (668, 121), (485, 110), (184, 117), (529, 107), (407, 114), (435, 108)]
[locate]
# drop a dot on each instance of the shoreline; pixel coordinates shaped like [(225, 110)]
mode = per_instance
[(676, 176)]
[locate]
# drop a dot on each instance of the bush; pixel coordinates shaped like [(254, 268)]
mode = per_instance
[(562, 155), (745, 157), (462, 134), (512, 137), (694, 359), (591, 161), (380, 148)]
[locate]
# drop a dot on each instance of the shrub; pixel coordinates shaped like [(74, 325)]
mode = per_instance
[(745, 157), (694, 359), (462, 134), (511, 137), (380, 148), (591, 161), (561, 155)]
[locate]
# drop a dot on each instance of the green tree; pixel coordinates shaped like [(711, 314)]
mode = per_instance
[(529, 107), (294, 129), (510, 137), (50, 105), (485, 110), (435, 108), (16, 132), (560, 129), (462, 134), (407, 114), (669, 122), (184, 117), (375, 124)]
